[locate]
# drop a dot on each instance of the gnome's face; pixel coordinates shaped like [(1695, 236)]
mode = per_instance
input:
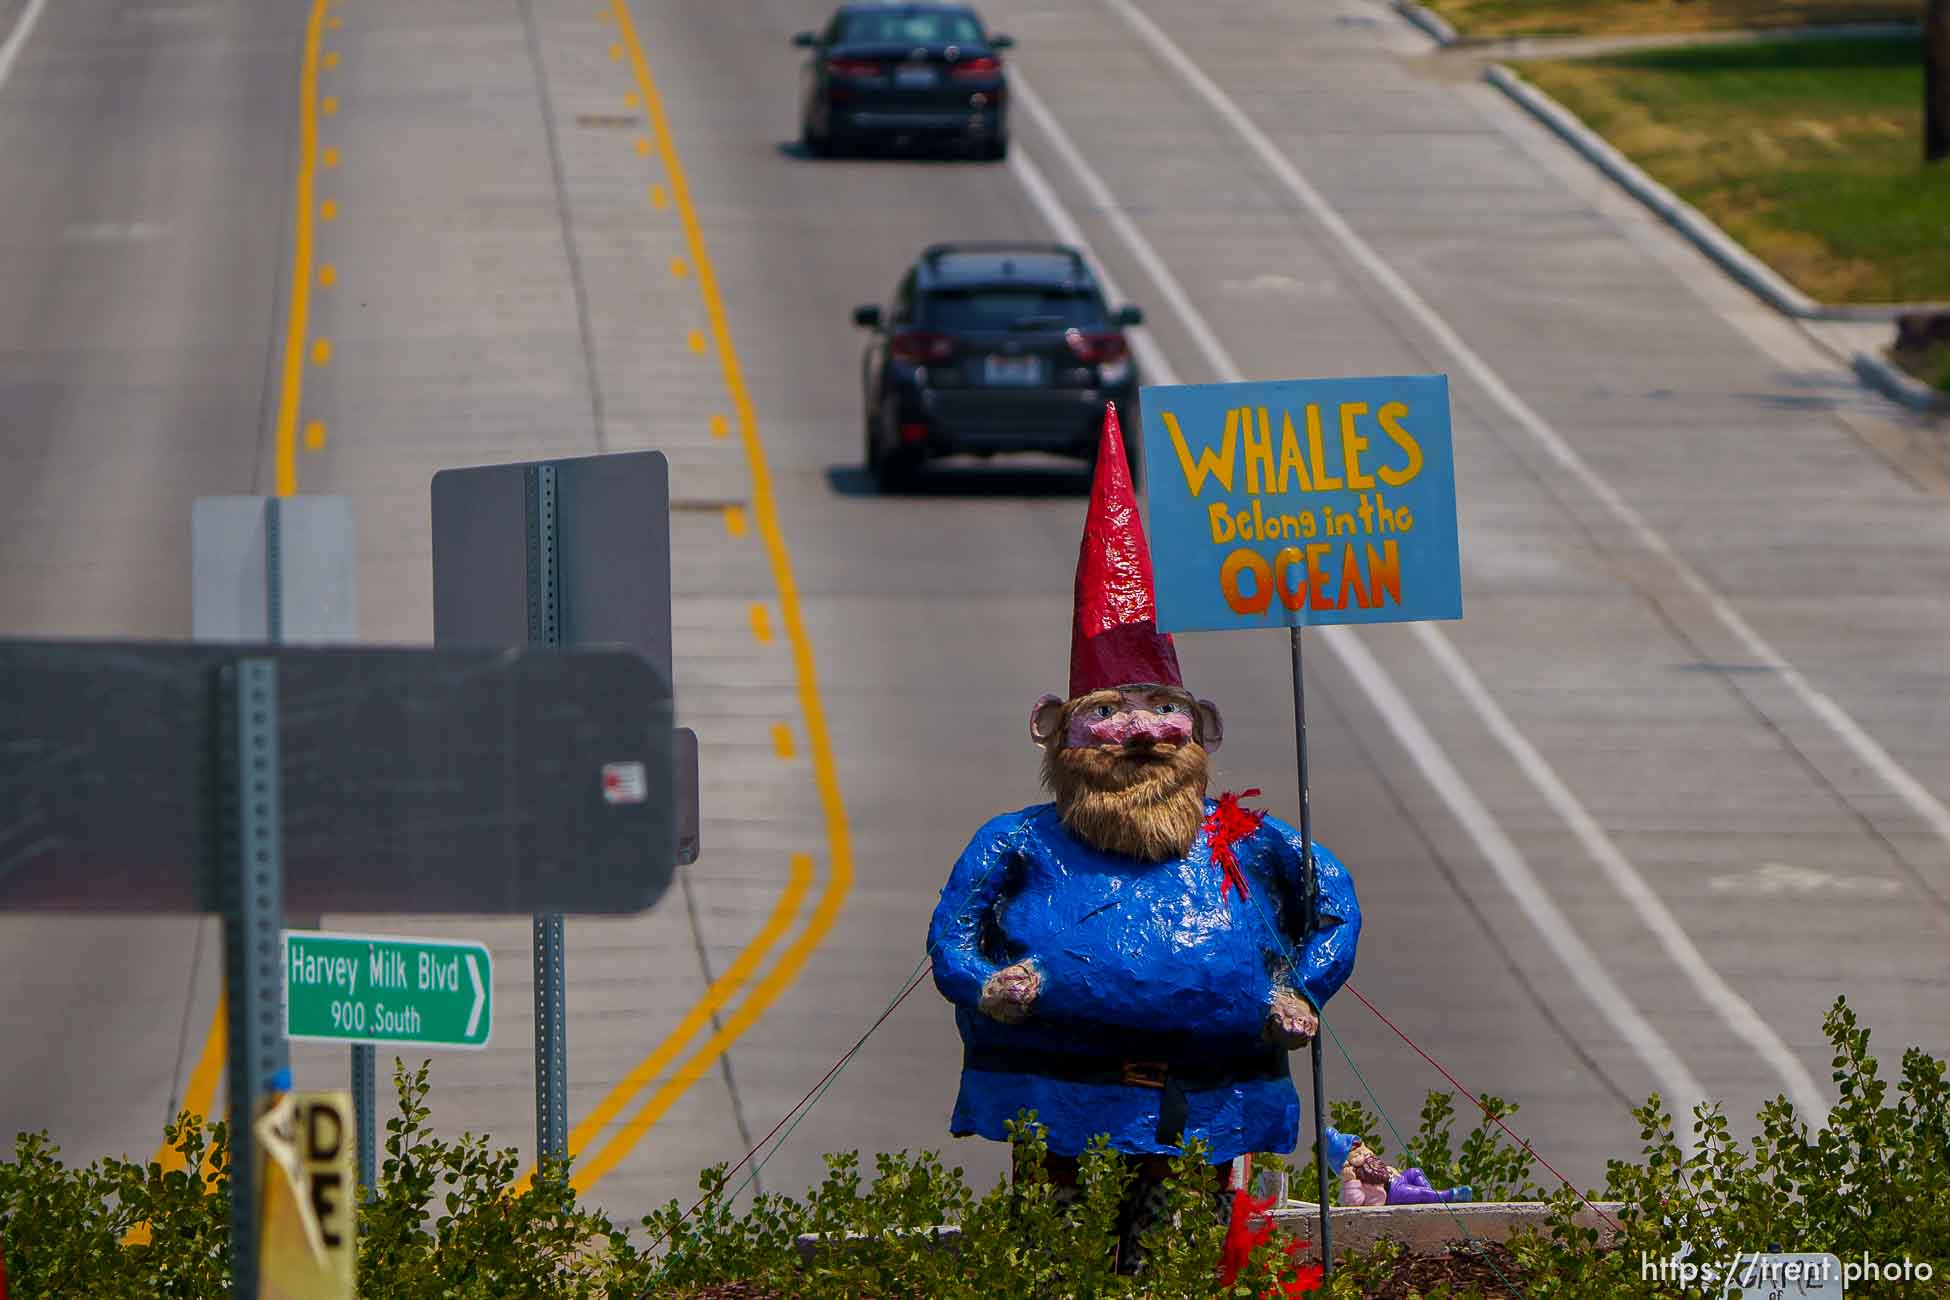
[(1127, 765), (1367, 1166)]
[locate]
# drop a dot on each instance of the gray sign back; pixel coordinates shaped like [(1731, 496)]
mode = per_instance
[(409, 780), (302, 550), (612, 547), (612, 561)]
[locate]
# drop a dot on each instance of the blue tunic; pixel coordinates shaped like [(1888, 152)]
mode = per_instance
[(1139, 962)]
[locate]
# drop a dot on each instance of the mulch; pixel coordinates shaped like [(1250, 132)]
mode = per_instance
[(1490, 1269)]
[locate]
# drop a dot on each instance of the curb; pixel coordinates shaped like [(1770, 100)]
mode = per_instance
[(1675, 211), (1432, 1228), (1426, 1228), (1893, 382), (1428, 20), (1760, 278)]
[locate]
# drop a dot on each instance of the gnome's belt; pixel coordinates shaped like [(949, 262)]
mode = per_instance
[(1173, 1080)]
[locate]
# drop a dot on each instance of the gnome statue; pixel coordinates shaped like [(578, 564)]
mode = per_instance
[(1134, 958), (1367, 1179)]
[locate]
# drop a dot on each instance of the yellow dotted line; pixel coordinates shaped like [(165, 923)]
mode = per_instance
[(328, 274)]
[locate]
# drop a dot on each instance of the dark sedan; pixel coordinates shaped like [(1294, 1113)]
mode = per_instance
[(994, 347), (888, 72)]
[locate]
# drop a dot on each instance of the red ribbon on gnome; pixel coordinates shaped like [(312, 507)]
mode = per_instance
[(1225, 826), (1244, 1236)]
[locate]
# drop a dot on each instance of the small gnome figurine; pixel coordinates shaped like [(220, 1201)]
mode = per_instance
[(1367, 1179), (1134, 958)]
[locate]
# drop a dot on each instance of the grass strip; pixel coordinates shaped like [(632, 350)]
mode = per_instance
[(1808, 152), (1494, 18)]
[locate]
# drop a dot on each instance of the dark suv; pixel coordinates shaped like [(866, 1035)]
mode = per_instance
[(991, 348)]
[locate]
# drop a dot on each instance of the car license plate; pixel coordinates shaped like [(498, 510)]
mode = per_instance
[(1014, 370), (913, 76)]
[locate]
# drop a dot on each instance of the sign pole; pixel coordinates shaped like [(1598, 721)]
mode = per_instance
[(252, 872), (305, 550), (1313, 900), (590, 536), (365, 1118), (551, 991)]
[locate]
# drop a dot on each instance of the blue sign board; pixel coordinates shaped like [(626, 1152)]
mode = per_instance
[(1301, 502)]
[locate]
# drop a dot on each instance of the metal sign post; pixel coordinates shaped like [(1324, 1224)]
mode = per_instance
[(1313, 920), (551, 979), (586, 544), (1358, 530), (252, 874), (278, 569)]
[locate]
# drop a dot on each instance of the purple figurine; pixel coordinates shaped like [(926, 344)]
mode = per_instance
[(1367, 1179)]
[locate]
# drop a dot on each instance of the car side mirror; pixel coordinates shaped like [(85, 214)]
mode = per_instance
[(1001, 42), (1129, 315), (805, 40), (867, 316)]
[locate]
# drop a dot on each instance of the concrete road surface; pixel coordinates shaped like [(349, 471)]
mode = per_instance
[(1674, 782)]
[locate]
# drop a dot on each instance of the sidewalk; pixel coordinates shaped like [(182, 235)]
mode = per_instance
[(1858, 335)]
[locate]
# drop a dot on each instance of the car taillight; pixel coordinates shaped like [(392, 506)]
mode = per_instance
[(1098, 349), (981, 67), (853, 67), (918, 346)]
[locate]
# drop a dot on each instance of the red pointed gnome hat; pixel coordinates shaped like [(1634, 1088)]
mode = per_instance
[(1115, 639)]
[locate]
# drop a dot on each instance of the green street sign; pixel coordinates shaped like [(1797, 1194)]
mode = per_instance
[(369, 988)]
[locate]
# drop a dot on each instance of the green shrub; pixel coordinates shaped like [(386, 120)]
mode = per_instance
[(447, 1221), (1874, 1183)]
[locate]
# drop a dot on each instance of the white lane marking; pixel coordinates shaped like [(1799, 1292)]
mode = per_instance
[(112, 232), (1675, 1080), (1735, 1010), (1772, 879), (1922, 802), (25, 25)]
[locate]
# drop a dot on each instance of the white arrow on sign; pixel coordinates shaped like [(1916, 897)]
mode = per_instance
[(480, 996)]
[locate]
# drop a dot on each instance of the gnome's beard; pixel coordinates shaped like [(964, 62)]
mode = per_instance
[(1147, 807)]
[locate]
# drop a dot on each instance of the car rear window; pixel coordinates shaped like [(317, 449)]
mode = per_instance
[(911, 27), (1030, 306)]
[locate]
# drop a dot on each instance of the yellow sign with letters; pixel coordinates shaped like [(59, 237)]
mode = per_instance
[(307, 1235)]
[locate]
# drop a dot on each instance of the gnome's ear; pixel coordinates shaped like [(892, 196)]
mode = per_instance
[(1211, 731), (1046, 720)]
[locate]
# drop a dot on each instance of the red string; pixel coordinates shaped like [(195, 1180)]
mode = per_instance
[(1454, 1083)]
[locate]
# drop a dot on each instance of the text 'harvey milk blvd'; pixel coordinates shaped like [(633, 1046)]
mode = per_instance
[(350, 988), (1302, 502)]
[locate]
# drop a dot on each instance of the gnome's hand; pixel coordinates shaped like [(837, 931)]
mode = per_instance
[(1009, 992), (1292, 1022)]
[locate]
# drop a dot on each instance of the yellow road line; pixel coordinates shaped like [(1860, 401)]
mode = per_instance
[(299, 319), (782, 740), (201, 1090), (839, 876), (761, 624), (719, 993), (197, 1096)]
